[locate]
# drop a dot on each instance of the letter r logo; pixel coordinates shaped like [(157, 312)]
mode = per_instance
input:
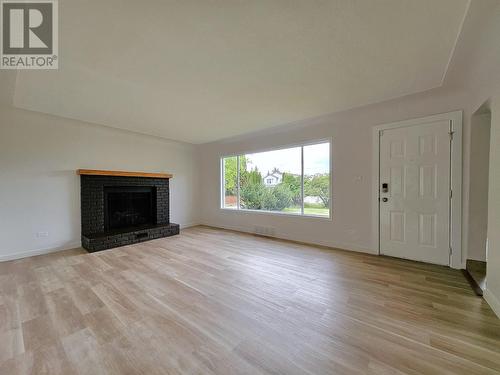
[(18, 30), (27, 28)]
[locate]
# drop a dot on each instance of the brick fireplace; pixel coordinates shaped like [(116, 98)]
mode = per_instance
[(123, 208)]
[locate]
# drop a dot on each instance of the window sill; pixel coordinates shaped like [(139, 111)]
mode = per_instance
[(277, 213)]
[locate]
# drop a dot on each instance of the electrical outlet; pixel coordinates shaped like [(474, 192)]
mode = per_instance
[(42, 234)]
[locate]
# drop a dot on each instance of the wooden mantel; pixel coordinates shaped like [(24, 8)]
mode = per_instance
[(97, 172)]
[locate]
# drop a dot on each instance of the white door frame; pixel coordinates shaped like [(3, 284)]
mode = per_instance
[(455, 118)]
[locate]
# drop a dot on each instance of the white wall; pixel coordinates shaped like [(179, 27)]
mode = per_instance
[(39, 188), (478, 194), (352, 226), (492, 293), (479, 69)]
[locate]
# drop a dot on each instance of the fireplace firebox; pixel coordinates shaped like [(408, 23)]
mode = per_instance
[(128, 207), (119, 210)]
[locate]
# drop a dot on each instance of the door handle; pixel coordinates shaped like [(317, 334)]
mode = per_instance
[(385, 199)]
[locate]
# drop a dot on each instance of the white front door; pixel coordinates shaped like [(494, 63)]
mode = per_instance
[(415, 192)]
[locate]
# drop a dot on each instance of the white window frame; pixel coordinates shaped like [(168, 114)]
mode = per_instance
[(238, 209)]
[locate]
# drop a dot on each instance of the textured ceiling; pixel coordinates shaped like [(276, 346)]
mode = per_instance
[(199, 70)]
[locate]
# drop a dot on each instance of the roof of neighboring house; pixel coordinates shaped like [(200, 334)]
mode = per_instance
[(275, 175)]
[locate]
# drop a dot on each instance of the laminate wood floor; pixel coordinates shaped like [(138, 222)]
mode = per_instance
[(218, 302)]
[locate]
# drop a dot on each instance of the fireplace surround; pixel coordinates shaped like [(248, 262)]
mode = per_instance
[(123, 208)]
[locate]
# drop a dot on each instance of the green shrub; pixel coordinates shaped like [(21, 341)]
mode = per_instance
[(268, 200), (318, 186), (259, 197), (251, 196), (277, 198), (294, 184)]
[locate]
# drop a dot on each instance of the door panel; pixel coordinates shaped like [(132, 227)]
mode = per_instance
[(414, 212), (398, 227)]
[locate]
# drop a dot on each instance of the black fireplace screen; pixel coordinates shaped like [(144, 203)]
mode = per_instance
[(129, 206)]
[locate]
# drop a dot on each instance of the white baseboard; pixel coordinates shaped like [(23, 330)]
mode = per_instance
[(188, 225), (492, 301), (336, 245), (67, 246), (30, 253)]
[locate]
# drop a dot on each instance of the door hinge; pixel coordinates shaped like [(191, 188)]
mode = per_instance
[(451, 194), (451, 135), (451, 251)]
